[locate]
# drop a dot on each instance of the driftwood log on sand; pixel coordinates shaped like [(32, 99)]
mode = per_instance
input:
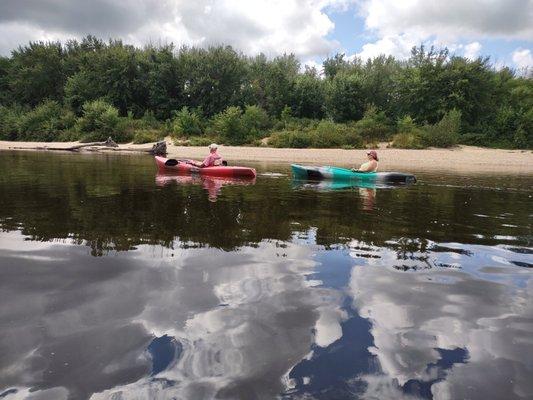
[(159, 148)]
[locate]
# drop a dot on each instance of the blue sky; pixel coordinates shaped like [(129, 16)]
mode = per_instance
[(311, 29), (349, 30)]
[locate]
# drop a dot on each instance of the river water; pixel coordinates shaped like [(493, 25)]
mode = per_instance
[(118, 283)]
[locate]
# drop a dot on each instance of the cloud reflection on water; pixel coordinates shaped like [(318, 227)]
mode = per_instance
[(415, 316), (247, 320), (243, 320)]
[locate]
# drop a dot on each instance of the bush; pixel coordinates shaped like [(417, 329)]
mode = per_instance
[(228, 125), (407, 140), (9, 122), (301, 124), (68, 136), (326, 134), (409, 135), (353, 140), (235, 127), (329, 134), (200, 141), (149, 121), (99, 121), (286, 114), (144, 128), (291, 139), (255, 122), (45, 122), (474, 139), (523, 137), (374, 126), (186, 123), (147, 136), (444, 133)]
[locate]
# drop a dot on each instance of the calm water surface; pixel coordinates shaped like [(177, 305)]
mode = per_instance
[(116, 283)]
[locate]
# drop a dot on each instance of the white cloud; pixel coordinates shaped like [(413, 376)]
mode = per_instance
[(453, 18), (523, 58), (13, 34), (272, 27), (399, 25), (312, 64), (395, 45), (472, 50)]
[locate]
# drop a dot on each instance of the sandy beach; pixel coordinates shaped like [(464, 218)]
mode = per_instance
[(466, 159)]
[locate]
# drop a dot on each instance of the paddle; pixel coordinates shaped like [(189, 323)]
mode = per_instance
[(172, 162)]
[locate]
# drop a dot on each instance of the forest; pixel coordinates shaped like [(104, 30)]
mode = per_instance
[(91, 89)]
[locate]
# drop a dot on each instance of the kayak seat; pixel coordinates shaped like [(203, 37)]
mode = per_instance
[(312, 174)]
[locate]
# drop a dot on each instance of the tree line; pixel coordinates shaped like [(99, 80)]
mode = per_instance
[(91, 89)]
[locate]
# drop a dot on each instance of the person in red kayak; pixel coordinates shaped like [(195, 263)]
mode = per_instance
[(211, 160), (371, 165)]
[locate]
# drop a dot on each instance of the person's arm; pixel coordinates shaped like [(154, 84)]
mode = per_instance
[(208, 161), (196, 164)]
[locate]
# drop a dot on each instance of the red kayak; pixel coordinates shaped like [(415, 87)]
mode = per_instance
[(183, 167)]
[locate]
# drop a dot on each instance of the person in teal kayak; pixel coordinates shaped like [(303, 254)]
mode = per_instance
[(213, 159), (371, 165)]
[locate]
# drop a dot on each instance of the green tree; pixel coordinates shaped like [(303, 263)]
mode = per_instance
[(379, 79), (124, 75), (213, 77), (420, 86), (469, 86), (335, 65), (166, 82), (5, 93), (37, 73), (272, 82), (344, 99), (308, 96), (83, 86)]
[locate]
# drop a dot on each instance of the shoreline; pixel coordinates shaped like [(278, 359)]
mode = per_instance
[(466, 159)]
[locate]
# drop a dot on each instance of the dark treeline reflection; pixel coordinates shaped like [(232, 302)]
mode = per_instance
[(114, 203)]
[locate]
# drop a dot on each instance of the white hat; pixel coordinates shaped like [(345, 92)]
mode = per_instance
[(213, 146)]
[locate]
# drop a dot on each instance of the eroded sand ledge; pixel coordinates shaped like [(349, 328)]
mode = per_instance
[(463, 159)]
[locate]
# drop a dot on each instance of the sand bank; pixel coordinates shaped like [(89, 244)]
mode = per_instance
[(465, 159)]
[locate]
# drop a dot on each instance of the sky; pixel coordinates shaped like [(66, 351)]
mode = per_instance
[(311, 29)]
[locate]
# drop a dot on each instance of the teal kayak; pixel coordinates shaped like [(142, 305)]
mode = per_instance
[(343, 174)]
